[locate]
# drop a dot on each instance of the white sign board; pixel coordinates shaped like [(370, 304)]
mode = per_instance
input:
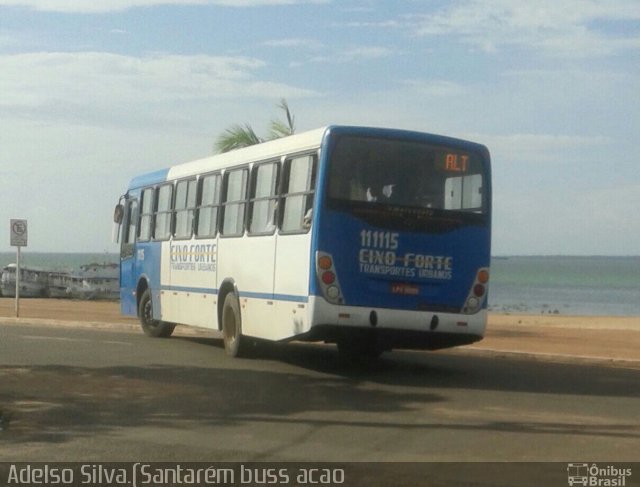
[(18, 233)]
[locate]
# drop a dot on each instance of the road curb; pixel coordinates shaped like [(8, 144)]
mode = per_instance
[(102, 325), (65, 323), (554, 357)]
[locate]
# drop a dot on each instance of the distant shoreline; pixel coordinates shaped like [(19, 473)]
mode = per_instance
[(551, 285)]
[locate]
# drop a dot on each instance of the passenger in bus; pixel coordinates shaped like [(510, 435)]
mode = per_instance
[(380, 185), (306, 221), (380, 193)]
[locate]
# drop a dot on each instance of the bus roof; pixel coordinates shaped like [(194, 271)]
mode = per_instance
[(274, 148), (305, 141), (149, 179)]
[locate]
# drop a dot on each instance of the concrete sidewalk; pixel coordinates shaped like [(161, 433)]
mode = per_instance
[(612, 340)]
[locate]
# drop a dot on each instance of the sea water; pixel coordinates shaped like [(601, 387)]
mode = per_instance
[(57, 261), (596, 286)]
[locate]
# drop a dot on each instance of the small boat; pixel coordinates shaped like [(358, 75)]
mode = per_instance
[(33, 281), (58, 284), (95, 281)]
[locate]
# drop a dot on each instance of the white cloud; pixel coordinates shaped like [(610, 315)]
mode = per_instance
[(371, 52), (6, 40), (66, 178), (559, 28), (102, 6), (582, 43), (72, 85), (382, 24), (568, 221), (294, 43), (355, 54), (437, 88), (77, 126), (539, 147)]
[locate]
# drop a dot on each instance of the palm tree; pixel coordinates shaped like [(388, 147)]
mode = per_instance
[(238, 136), (235, 137), (280, 129)]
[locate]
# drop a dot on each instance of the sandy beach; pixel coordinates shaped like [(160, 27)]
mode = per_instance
[(614, 340)]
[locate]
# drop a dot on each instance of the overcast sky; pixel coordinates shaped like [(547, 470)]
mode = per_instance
[(93, 93)]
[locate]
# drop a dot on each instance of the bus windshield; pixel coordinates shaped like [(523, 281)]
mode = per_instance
[(368, 172)]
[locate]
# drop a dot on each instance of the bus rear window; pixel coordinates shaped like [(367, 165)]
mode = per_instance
[(406, 173)]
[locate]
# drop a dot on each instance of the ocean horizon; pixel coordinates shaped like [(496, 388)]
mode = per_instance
[(519, 284), (566, 285), (58, 261)]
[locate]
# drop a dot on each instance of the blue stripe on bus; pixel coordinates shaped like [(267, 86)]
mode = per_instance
[(276, 297), (290, 297), (187, 289), (205, 290)]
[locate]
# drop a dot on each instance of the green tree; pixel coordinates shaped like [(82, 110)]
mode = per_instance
[(238, 136), (283, 129)]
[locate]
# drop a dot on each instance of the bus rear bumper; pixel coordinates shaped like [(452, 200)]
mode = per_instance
[(394, 328)]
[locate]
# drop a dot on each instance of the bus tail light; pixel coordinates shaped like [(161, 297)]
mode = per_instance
[(478, 290), (483, 276), (477, 294), (325, 262), (333, 293), (328, 278)]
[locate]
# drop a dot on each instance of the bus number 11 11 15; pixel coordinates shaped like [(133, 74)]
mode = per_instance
[(379, 240)]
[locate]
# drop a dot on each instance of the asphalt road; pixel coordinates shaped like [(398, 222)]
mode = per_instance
[(81, 394)]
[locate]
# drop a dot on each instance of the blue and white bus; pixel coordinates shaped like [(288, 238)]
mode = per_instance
[(370, 238)]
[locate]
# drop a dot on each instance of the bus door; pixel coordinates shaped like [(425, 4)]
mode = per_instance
[(191, 263), (127, 257), (291, 280), (251, 260)]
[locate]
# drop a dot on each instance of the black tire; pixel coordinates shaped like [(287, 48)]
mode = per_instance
[(235, 343), (151, 327)]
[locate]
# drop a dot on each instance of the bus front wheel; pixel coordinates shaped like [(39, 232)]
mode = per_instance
[(235, 344), (150, 326)]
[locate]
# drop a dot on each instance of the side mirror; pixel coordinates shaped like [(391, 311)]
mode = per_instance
[(118, 214)]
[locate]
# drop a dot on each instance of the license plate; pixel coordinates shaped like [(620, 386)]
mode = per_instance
[(405, 289)]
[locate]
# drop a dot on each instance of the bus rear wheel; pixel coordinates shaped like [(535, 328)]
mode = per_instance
[(235, 343), (150, 326)]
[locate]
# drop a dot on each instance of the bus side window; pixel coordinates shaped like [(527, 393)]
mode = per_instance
[(185, 207), (146, 216), (297, 194), (131, 221), (235, 201), (164, 213), (208, 206), (263, 197)]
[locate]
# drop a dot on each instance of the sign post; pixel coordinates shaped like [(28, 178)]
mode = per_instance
[(18, 239)]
